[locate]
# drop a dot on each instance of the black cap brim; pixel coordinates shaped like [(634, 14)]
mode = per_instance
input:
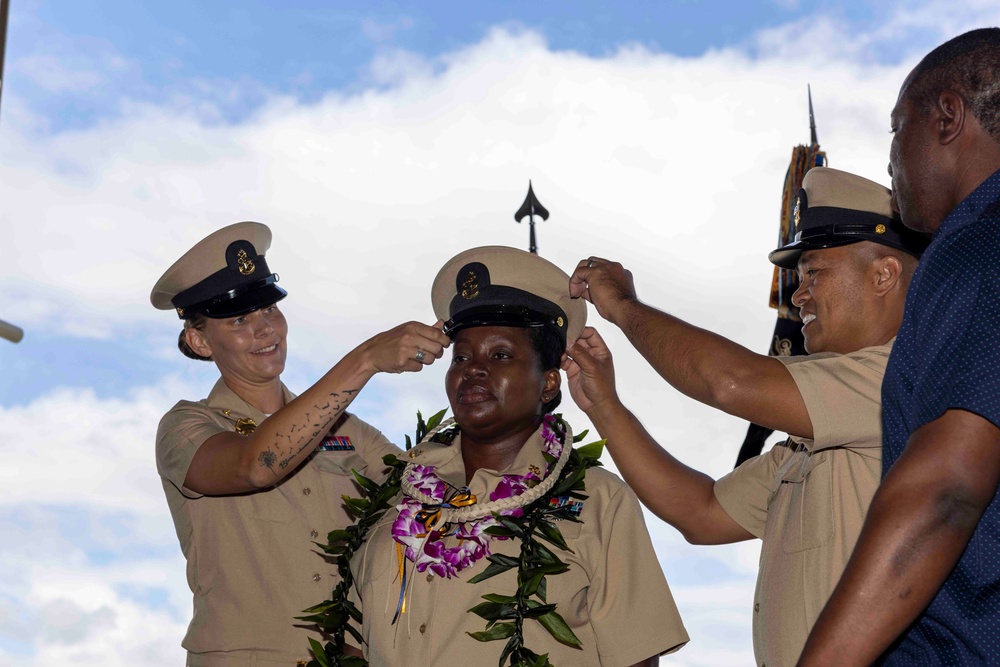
[(787, 257), (245, 303), (506, 316)]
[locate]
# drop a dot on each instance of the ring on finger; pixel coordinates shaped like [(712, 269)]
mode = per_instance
[(420, 355)]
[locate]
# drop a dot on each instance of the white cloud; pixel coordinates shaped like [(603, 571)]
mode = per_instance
[(71, 448), (76, 593), (672, 165)]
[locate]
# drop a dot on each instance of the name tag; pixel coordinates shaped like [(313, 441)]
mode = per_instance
[(335, 443), (571, 505)]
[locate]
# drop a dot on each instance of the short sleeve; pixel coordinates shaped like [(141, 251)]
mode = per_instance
[(843, 394), (181, 432), (632, 611), (745, 492)]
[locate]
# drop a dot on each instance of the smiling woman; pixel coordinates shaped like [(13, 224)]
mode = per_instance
[(252, 474), (473, 494)]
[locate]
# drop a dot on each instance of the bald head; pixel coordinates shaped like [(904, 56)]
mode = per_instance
[(968, 65), (946, 128)]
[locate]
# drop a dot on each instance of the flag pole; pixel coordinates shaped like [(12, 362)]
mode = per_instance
[(4, 13), (8, 331), (787, 339)]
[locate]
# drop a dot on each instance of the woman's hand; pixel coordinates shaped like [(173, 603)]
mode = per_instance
[(408, 347), (590, 371)]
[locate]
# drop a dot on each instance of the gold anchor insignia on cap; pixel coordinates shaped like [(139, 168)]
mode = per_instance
[(795, 213), (180, 312), (559, 321), (470, 287), (245, 426), (880, 228), (244, 263)]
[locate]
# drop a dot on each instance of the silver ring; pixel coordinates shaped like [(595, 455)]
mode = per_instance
[(419, 356), (590, 264)]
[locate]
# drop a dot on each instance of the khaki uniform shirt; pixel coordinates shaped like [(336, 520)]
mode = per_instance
[(807, 499), (251, 561), (614, 596)]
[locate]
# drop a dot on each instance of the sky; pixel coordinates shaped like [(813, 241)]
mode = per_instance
[(377, 140)]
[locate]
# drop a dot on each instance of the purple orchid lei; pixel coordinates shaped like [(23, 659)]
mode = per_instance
[(427, 549)]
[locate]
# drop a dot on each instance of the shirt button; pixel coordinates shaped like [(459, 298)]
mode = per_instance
[(306, 491), (756, 606), (423, 628), (317, 577), (430, 577), (314, 534)]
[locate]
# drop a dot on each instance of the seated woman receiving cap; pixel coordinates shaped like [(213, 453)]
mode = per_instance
[(253, 474), (503, 486)]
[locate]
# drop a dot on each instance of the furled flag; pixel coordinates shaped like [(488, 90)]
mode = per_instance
[(787, 339)]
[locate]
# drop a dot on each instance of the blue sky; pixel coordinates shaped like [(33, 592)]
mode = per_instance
[(243, 52), (77, 65), (377, 140)]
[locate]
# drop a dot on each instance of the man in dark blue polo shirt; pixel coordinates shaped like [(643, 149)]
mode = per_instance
[(923, 584)]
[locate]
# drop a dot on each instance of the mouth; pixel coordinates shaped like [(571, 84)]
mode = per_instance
[(266, 350), (470, 394), (807, 318)]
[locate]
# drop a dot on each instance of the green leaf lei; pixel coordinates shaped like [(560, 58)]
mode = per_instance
[(504, 614)]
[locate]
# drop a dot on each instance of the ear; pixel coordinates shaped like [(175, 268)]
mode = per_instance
[(197, 342), (887, 269), (951, 116), (553, 381)]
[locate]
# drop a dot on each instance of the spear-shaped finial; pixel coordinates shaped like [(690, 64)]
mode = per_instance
[(812, 118), (530, 208)]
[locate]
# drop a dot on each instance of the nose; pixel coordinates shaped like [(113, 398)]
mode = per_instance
[(473, 369), (801, 295), (264, 326)]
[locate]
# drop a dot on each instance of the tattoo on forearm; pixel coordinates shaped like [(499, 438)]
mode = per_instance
[(267, 459), (284, 463)]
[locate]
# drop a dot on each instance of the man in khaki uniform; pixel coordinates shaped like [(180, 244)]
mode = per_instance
[(805, 498), (253, 475)]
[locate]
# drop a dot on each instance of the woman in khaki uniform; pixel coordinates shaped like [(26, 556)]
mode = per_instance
[(252, 474), (428, 560)]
